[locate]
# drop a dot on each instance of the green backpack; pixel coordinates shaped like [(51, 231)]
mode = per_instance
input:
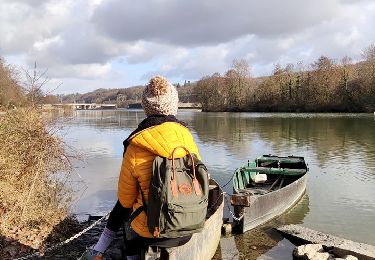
[(178, 196)]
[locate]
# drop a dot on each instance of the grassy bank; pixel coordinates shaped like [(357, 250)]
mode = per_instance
[(34, 175)]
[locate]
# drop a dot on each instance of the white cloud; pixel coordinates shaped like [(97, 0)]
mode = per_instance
[(79, 41), (191, 23), (83, 71), (47, 43), (143, 51), (24, 24)]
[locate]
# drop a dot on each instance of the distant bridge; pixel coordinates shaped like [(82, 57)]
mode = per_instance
[(92, 106), (180, 105), (84, 106)]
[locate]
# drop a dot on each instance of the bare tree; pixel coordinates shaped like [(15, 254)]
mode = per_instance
[(325, 81), (367, 75), (34, 85), (238, 82)]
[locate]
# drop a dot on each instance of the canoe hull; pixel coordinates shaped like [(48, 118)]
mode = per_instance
[(265, 207), (202, 245)]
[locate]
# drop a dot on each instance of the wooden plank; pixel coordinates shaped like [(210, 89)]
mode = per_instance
[(240, 200), (284, 171), (229, 249), (291, 159)]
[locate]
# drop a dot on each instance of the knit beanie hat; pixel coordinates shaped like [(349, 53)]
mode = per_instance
[(160, 97)]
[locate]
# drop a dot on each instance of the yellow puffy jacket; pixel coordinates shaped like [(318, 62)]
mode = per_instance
[(137, 164)]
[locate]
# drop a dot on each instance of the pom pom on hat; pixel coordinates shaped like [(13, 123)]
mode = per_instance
[(160, 97)]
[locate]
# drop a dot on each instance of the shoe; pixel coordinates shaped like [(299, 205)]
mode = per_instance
[(91, 254)]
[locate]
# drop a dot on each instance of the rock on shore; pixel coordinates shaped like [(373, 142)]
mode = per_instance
[(336, 246), (316, 252)]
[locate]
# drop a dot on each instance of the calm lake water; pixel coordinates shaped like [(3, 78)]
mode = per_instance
[(339, 150)]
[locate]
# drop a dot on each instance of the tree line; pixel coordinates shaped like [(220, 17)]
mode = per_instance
[(323, 86), (326, 85)]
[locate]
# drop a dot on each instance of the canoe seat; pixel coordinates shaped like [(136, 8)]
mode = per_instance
[(258, 191), (253, 191)]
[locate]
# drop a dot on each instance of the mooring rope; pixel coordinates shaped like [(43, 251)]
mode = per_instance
[(39, 254), (227, 196)]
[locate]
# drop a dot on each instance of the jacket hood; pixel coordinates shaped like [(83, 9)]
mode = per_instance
[(162, 139)]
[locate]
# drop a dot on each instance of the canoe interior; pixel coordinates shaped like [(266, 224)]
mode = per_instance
[(280, 171)]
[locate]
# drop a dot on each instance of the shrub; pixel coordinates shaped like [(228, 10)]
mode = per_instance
[(34, 176)]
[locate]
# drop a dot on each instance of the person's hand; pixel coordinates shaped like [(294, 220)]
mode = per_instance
[(98, 257)]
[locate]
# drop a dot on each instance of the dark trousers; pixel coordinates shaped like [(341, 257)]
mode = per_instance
[(138, 244), (135, 246)]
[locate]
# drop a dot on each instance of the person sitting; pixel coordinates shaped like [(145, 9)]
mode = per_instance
[(157, 135)]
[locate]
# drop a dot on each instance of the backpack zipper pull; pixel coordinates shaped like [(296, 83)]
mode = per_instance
[(196, 187), (156, 232), (174, 187)]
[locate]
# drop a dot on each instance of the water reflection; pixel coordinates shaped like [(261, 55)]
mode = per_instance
[(109, 119), (265, 242), (339, 148), (329, 138), (296, 215)]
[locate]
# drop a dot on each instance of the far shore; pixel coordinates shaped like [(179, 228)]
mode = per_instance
[(196, 108)]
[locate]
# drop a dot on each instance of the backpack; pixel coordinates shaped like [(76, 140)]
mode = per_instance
[(178, 196)]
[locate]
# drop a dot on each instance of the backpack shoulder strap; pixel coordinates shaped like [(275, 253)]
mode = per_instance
[(138, 211)]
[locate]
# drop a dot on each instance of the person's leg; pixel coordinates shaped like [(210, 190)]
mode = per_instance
[(105, 240), (134, 248), (134, 257), (116, 218), (168, 242)]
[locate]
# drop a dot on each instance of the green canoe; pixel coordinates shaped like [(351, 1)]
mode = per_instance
[(267, 187)]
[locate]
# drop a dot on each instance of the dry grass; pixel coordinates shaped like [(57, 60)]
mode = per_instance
[(34, 175)]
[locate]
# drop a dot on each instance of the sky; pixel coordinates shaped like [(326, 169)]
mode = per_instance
[(84, 45)]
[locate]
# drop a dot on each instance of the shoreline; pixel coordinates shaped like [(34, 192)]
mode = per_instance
[(48, 108), (295, 235), (235, 112)]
